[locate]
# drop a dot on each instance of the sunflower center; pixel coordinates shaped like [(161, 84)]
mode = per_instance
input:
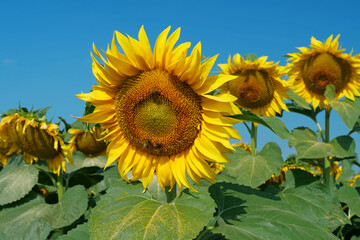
[(158, 113), (324, 69), (253, 88), (34, 141)]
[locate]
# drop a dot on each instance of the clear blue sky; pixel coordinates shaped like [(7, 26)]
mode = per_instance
[(45, 45)]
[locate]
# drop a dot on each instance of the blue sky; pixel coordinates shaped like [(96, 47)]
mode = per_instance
[(45, 45)]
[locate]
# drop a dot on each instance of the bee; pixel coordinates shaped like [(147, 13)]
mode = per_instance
[(158, 145), (154, 91), (147, 143)]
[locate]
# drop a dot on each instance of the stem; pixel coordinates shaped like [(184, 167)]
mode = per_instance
[(59, 185), (320, 131), (204, 233), (253, 134), (327, 162)]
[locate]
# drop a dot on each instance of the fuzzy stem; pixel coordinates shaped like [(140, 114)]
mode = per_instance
[(59, 185), (253, 134), (204, 233), (327, 161)]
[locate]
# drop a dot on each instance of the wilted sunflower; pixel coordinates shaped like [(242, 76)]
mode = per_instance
[(7, 146), (89, 143), (157, 111), (320, 65), (36, 140), (258, 85)]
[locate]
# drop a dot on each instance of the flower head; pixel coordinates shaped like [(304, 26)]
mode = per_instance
[(36, 138), (320, 65), (258, 85), (89, 143), (7, 145), (156, 111)]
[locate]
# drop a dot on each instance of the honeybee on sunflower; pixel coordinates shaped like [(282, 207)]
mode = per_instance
[(258, 85), (157, 111), (35, 137), (320, 65)]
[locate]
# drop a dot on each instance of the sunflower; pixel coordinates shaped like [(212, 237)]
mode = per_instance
[(89, 143), (258, 84), (36, 140), (157, 111), (320, 65), (7, 146)]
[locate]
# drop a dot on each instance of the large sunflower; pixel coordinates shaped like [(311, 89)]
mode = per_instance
[(258, 84), (320, 65), (36, 140), (156, 110)]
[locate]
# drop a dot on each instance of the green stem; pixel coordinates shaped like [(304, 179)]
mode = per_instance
[(204, 233), (59, 185), (253, 134), (327, 162)]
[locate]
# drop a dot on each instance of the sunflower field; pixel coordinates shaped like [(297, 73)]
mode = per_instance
[(151, 158)]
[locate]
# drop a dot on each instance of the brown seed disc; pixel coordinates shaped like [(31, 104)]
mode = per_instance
[(323, 69), (253, 88), (158, 113)]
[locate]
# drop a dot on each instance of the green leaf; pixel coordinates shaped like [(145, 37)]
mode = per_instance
[(254, 171), (25, 221), (81, 161), (111, 175), (81, 232), (297, 178), (250, 57), (35, 219), (343, 147), (351, 197), (348, 110), (306, 144), (127, 213), (273, 123), (315, 204), (72, 205), (298, 101), (245, 213), (86, 176), (17, 178)]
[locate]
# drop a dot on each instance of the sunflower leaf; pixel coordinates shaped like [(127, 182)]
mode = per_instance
[(16, 180), (348, 110), (350, 196), (127, 213), (81, 232), (35, 219), (254, 170), (25, 221), (316, 204), (307, 145), (246, 213), (273, 123), (298, 101), (343, 147)]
